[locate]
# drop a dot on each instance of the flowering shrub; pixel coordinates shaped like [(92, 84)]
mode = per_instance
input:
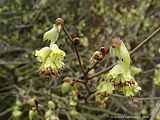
[(119, 79)]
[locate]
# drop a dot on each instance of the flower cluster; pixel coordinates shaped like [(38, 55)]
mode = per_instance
[(120, 77), (51, 58)]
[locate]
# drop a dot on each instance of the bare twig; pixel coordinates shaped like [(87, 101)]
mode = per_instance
[(76, 50), (145, 40), (92, 67), (101, 72)]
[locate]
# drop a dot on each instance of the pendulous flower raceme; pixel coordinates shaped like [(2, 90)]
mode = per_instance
[(121, 77), (52, 57)]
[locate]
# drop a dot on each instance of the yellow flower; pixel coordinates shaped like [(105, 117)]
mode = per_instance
[(51, 59)]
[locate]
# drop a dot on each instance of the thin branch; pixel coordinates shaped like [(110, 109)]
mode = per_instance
[(78, 80), (145, 40), (79, 59), (92, 67), (76, 50), (101, 72)]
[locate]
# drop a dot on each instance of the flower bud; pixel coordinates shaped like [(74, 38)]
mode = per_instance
[(116, 42), (65, 88), (51, 105), (31, 101), (16, 113), (76, 41), (74, 112), (60, 22), (32, 115), (104, 50), (97, 56)]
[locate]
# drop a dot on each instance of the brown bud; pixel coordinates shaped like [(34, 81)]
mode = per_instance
[(116, 42), (97, 56), (60, 21), (104, 50), (76, 40)]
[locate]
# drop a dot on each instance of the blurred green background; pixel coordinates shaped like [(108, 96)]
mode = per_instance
[(22, 24)]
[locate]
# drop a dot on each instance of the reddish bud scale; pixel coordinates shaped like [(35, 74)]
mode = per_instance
[(116, 42), (60, 21), (104, 50), (76, 40)]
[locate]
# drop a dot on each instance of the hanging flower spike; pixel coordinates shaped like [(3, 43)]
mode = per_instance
[(52, 34), (52, 60), (121, 52), (123, 66), (120, 74)]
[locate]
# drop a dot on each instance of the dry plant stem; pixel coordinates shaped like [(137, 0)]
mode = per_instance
[(133, 51), (145, 40), (79, 59), (92, 67), (101, 72), (79, 81), (76, 50)]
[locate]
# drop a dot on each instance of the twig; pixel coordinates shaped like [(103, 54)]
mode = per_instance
[(78, 80), (76, 50), (145, 40), (79, 59), (92, 67), (101, 72)]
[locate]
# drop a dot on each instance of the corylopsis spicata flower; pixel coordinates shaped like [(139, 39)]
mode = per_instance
[(51, 59), (121, 74)]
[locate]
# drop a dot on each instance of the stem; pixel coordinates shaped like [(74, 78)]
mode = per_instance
[(145, 40), (78, 80), (92, 67), (76, 50), (79, 59), (102, 71)]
